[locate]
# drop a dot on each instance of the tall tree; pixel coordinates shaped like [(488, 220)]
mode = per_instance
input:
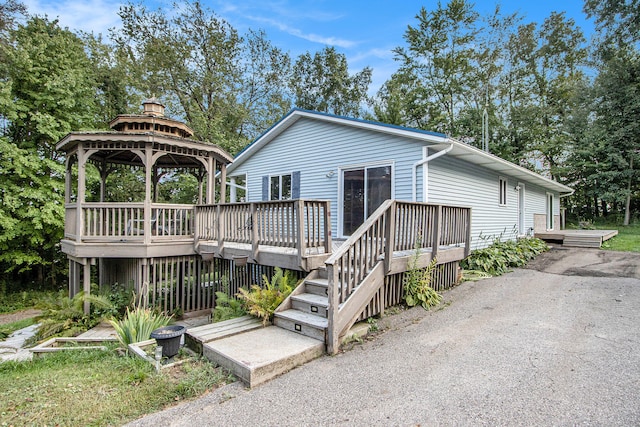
[(323, 83), (47, 93), (437, 63), (223, 85)]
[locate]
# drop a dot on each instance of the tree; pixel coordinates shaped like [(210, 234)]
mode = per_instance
[(617, 109), (437, 64), (323, 83), (224, 86), (619, 20), (47, 92)]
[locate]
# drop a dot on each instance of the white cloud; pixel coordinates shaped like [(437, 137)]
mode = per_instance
[(96, 16), (315, 38)]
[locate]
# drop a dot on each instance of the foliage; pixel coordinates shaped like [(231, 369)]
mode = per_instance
[(15, 301), (323, 83), (227, 87), (83, 388), (64, 316), (138, 323), (120, 297), (499, 257), (263, 301), (227, 307), (417, 283)]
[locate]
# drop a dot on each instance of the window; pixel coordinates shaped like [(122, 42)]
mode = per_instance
[(363, 191), (550, 211), (502, 192), (280, 187)]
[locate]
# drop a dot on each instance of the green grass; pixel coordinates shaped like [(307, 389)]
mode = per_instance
[(95, 388), (627, 240), (9, 328)]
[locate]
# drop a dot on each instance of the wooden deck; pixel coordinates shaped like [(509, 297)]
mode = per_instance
[(578, 238)]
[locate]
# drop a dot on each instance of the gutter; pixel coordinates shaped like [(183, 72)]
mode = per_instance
[(414, 169)]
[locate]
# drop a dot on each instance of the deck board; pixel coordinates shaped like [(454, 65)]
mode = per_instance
[(579, 238)]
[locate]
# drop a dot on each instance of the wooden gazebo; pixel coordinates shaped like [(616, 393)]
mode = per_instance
[(123, 238)]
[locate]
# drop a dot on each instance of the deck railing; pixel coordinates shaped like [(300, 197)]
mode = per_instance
[(123, 222), (356, 271), (300, 224)]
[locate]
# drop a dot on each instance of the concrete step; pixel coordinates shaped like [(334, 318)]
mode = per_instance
[(302, 323), (262, 354), (196, 337), (317, 286), (311, 303)]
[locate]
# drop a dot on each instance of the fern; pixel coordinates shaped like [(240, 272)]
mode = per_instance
[(65, 316), (263, 301)]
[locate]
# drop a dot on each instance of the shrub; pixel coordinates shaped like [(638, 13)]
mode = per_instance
[(498, 258), (263, 301), (62, 316), (137, 325), (417, 283)]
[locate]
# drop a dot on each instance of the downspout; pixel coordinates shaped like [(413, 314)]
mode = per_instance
[(414, 169)]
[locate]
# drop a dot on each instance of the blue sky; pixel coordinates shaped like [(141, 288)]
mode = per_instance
[(365, 31)]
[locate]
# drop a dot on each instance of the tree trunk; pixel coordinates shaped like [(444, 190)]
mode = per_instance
[(627, 203)]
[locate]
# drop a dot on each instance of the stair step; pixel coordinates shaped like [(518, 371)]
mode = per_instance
[(317, 286), (302, 323), (311, 303)]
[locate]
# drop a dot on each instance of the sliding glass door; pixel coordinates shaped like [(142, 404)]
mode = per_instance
[(364, 190)]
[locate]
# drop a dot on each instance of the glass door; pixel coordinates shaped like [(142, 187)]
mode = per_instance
[(364, 190)]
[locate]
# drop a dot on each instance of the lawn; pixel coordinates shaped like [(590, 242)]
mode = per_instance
[(627, 240), (87, 388)]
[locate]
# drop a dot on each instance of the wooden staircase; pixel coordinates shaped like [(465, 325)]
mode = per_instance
[(305, 311)]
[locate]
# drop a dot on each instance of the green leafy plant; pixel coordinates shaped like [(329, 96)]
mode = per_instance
[(227, 307), (138, 323), (64, 316), (417, 283), (263, 301), (499, 257)]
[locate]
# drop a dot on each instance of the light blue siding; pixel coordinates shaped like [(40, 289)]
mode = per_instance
[(319, 150)]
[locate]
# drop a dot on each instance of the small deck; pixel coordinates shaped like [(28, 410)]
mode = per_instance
[(578, 238)]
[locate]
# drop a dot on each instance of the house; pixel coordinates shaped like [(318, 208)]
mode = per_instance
[(358, 164), (345, 203)]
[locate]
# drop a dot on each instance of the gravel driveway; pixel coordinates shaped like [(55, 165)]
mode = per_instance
[(557, 343)]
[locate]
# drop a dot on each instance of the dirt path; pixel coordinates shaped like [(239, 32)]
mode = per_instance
[(18, 315)]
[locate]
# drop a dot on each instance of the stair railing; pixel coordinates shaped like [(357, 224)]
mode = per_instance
[(361, 257)]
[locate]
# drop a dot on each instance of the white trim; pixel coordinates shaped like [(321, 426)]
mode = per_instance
[(550, 219), (503, 188), (280, 175), (522, 208), (367, 165)]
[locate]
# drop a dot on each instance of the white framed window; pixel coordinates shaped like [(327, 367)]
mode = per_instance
[(550, 210), (502, 191), (363, 188), (280, 187)]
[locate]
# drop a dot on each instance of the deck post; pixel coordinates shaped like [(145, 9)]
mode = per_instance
[(390, 236), (467, 244), (255, 246), (327, 228), (86, 285), (220, 219), (196, 227), (437, 222), (300, 234), (81, 192), (332, 313)]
